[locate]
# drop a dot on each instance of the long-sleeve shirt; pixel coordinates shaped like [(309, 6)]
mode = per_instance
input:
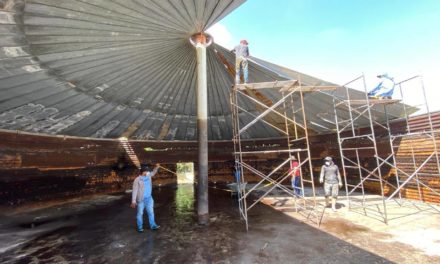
[(330, 174), (142, 187), (384, 88)]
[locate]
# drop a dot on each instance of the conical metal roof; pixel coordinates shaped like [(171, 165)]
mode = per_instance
[(112, 68)]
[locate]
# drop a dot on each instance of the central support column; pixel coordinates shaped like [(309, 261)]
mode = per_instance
[(200, 42)]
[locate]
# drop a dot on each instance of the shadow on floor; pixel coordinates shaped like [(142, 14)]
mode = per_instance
[(105, 233)]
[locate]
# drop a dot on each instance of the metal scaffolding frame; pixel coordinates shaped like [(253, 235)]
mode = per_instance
[(418, 163), (354, 140), (290, 109)]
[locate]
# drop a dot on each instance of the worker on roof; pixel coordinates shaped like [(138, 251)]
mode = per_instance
[(241, 61), (331, 178), (142, 198), (385, 89)]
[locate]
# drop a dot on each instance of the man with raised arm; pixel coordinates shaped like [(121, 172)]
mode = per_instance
[(142, 199)]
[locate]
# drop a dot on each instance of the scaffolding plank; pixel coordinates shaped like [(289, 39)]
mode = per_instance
[(270, 151), (357, 137), (371, 101), (285, 86), (352, 167), (298, 139), (265, 85), (357, 148), (309, 88)]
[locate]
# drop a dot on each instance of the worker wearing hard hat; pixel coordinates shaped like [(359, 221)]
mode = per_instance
[(241, 61), (331, 178)]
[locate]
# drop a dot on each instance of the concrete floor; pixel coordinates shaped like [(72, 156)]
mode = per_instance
[(412, 234), (102, 231)]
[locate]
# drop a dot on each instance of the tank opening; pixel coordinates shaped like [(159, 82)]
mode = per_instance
[(185, 173)]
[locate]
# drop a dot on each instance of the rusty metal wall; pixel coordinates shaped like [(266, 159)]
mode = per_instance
[(416, 124), (40, 167)]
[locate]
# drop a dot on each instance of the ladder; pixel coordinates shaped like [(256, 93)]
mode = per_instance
[(130, 152)]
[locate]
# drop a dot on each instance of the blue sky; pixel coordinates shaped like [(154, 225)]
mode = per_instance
[(337, 40)]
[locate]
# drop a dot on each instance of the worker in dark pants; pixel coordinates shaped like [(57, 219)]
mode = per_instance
[(142, 198), (331, 178)]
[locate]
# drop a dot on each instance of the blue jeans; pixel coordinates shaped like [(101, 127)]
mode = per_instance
[(241, 64), (148, 204), (296, 185)]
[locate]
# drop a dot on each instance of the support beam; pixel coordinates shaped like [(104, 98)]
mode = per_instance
[(201, 41)]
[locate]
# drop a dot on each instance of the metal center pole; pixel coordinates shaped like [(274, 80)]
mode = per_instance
[(201, 41)]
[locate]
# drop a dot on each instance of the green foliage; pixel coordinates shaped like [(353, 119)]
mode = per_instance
[(185, 167)]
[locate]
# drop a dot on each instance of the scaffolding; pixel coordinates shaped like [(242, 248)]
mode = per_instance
[(374, 155), (288, 117), (389, 172)]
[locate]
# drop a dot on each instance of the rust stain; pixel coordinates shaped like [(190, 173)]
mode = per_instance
[(164, 129), (229, 67), (10, 161), (68, 166), (130, 130)]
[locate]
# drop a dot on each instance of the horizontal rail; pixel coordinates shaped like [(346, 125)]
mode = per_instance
[(269, 151)]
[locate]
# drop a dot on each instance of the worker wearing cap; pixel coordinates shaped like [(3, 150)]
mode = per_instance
[(142, 198), (332, 180), (241, 61)]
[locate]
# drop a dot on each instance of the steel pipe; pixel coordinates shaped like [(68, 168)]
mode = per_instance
[(201, 41)]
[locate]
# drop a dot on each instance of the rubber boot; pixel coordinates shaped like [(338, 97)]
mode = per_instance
[(334, 204)]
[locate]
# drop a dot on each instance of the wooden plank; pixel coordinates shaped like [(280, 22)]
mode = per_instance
[(266, 85), (305, 89), (284, 86), (372, 101)]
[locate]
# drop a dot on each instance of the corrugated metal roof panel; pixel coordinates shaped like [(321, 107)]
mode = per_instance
[(110, 68)]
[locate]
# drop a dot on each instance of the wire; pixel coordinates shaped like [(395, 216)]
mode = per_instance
[(167, 169)]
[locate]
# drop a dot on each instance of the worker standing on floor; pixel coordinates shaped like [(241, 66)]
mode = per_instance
[(331, 178), (142, 198), (296, 176), (237, 172), (241, 61)]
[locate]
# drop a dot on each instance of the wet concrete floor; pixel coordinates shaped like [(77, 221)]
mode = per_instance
[(103, 231)]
